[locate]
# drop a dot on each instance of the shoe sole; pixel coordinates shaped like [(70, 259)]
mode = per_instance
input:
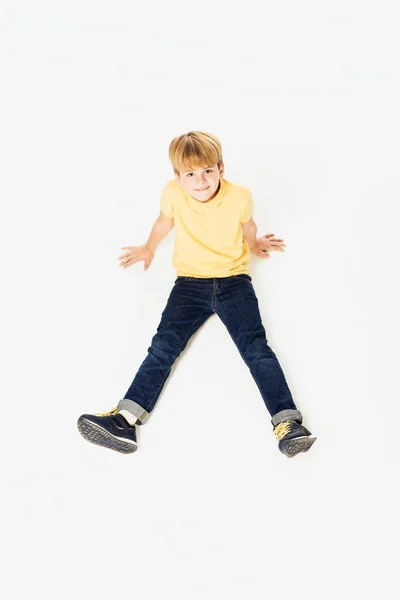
[(292, 447), (101, 437)]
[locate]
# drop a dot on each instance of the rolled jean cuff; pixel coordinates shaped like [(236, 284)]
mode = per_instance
[(133, 407), (287, 415)]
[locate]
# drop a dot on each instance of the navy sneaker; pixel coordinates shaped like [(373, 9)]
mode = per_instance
[(293, 438), (110, 430)]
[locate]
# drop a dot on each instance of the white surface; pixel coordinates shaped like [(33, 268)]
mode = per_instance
[(304, 99)]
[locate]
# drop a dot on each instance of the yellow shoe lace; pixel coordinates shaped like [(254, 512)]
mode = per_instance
[(113, 411), (282, 429)]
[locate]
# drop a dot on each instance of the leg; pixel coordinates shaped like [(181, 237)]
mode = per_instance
[(237, 307), (183, 315)]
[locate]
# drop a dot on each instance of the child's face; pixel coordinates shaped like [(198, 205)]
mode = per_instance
[(202, 183)]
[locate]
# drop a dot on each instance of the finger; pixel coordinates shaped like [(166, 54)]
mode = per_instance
[(125, 259), (127, 263)]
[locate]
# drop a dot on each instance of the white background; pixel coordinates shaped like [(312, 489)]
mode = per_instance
[(304, 97)]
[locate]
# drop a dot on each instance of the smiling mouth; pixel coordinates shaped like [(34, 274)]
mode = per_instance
[(203, 190)]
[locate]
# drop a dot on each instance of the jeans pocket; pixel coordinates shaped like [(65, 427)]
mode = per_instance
[(183, 278)]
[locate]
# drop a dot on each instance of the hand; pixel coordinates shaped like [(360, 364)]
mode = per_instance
[(266, 243), (135, 254)]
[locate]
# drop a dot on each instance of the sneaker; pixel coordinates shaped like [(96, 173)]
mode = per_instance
[(293, 438), (110, 430)]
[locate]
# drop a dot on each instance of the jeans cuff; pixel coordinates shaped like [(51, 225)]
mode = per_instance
[(287, 415), (134, 408)]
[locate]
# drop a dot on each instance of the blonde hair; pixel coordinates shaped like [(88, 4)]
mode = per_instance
[(195, 149)]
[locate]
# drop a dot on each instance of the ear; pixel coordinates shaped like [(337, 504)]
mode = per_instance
[(177, 176), (221, 169)]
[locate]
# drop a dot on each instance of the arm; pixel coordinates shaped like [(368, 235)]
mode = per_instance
[(260, 245), (146, 251), (249, 230), (161, 228)]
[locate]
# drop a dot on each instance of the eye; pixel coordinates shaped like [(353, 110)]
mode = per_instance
[(188, 174)]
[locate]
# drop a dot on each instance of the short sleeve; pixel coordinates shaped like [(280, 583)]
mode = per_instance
[(167, 201), (247, 207)]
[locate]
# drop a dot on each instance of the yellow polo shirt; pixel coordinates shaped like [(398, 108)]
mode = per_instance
[(208, 235)]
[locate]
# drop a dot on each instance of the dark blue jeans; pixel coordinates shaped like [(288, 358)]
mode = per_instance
[(191, 302)]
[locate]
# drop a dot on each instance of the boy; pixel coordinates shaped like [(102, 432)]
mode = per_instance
[(215, 234)]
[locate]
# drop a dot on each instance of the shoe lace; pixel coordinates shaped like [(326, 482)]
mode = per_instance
[(113, 411), (282, 429)]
